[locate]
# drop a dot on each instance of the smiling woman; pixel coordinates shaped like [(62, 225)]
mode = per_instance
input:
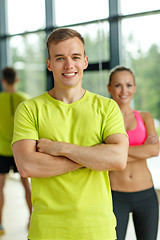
[(122, 85), (132, 188)]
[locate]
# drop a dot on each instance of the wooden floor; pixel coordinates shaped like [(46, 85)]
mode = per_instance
[(15, 213)]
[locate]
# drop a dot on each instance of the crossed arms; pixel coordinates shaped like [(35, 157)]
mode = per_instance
[(150, 148), (47, 158)]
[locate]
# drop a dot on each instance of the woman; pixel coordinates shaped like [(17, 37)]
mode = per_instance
[(132, 188)]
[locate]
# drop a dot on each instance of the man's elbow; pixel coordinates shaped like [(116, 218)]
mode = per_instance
[(122, 164), (122, 158), (122, 155), (24, 173), (122, 161), (23, 170)]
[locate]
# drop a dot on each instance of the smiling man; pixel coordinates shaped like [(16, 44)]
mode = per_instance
[(66, 140)]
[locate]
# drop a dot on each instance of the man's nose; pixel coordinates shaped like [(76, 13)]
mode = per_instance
[(68, 63)]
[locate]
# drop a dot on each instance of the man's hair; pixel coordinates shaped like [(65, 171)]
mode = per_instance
[(119, 69), (9, 74), (62, 34)]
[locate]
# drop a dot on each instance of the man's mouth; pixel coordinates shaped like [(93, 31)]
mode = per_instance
[(69, 74)]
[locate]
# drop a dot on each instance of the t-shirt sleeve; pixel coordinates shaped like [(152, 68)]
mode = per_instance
[(25, 123), (114, 122)]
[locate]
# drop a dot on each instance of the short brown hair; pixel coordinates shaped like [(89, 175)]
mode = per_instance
[(9, 74), (62, 34), (119, 69)]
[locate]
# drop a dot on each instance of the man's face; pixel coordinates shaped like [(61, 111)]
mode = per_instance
[(67, 62)]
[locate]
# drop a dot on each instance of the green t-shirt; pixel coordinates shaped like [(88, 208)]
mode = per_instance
[(76, 205), (8, 104)]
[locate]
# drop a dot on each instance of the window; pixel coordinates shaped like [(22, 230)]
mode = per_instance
[(136, 36), (25, 15), (141, 52), (96, 41), (96, 82), (28, 57), (71, 12), (137, 6)]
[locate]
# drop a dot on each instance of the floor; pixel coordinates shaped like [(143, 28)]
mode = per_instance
[(15, 213)]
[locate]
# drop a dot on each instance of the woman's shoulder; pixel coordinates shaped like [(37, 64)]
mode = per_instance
[(145, 115)]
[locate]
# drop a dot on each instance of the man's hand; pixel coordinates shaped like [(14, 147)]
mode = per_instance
[(111, 155), (49, 147)]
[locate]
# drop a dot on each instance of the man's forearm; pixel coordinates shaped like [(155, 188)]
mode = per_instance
[(35, 164), (43, 165), (101, 157)]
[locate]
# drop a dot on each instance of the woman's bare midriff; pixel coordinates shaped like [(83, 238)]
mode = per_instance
[(135, 177)]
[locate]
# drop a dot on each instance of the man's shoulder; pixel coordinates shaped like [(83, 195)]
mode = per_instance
[(102, 100), (22, 95), (3, 94)]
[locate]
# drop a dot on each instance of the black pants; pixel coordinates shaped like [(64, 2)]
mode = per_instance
[(6, 164), (145, 212)]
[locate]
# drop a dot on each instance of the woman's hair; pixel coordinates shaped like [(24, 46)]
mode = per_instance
[(9, 75), (119, 69), (62, 34)]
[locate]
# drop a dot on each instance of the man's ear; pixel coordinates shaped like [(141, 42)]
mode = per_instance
[(86, 62), (48, 64), (3, 82), (17, 80)]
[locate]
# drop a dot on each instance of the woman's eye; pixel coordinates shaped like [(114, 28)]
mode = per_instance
[(117, 85)]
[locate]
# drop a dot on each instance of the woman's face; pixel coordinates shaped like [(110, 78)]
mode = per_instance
[(122, 87)]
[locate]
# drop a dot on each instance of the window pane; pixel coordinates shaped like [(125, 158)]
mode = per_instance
[(136, 6), (28, 57), (25, 15), (137, 39), (96, 38), (71, 11), (142, 53), (96, 82)]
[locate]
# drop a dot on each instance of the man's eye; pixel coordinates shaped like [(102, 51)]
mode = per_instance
[(60, 58), (76, 57)]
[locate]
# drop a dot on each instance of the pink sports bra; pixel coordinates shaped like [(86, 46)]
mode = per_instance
[(138, 135)]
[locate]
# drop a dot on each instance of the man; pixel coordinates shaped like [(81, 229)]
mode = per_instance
[(9, 100), (66, 140)]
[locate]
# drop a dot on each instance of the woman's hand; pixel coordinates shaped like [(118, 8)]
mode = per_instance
[(152, 139)]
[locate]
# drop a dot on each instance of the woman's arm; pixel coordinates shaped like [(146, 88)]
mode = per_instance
[(151, 146)]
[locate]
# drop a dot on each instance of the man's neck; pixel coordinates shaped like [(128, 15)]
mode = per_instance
[(10, 89), (68, 95)]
